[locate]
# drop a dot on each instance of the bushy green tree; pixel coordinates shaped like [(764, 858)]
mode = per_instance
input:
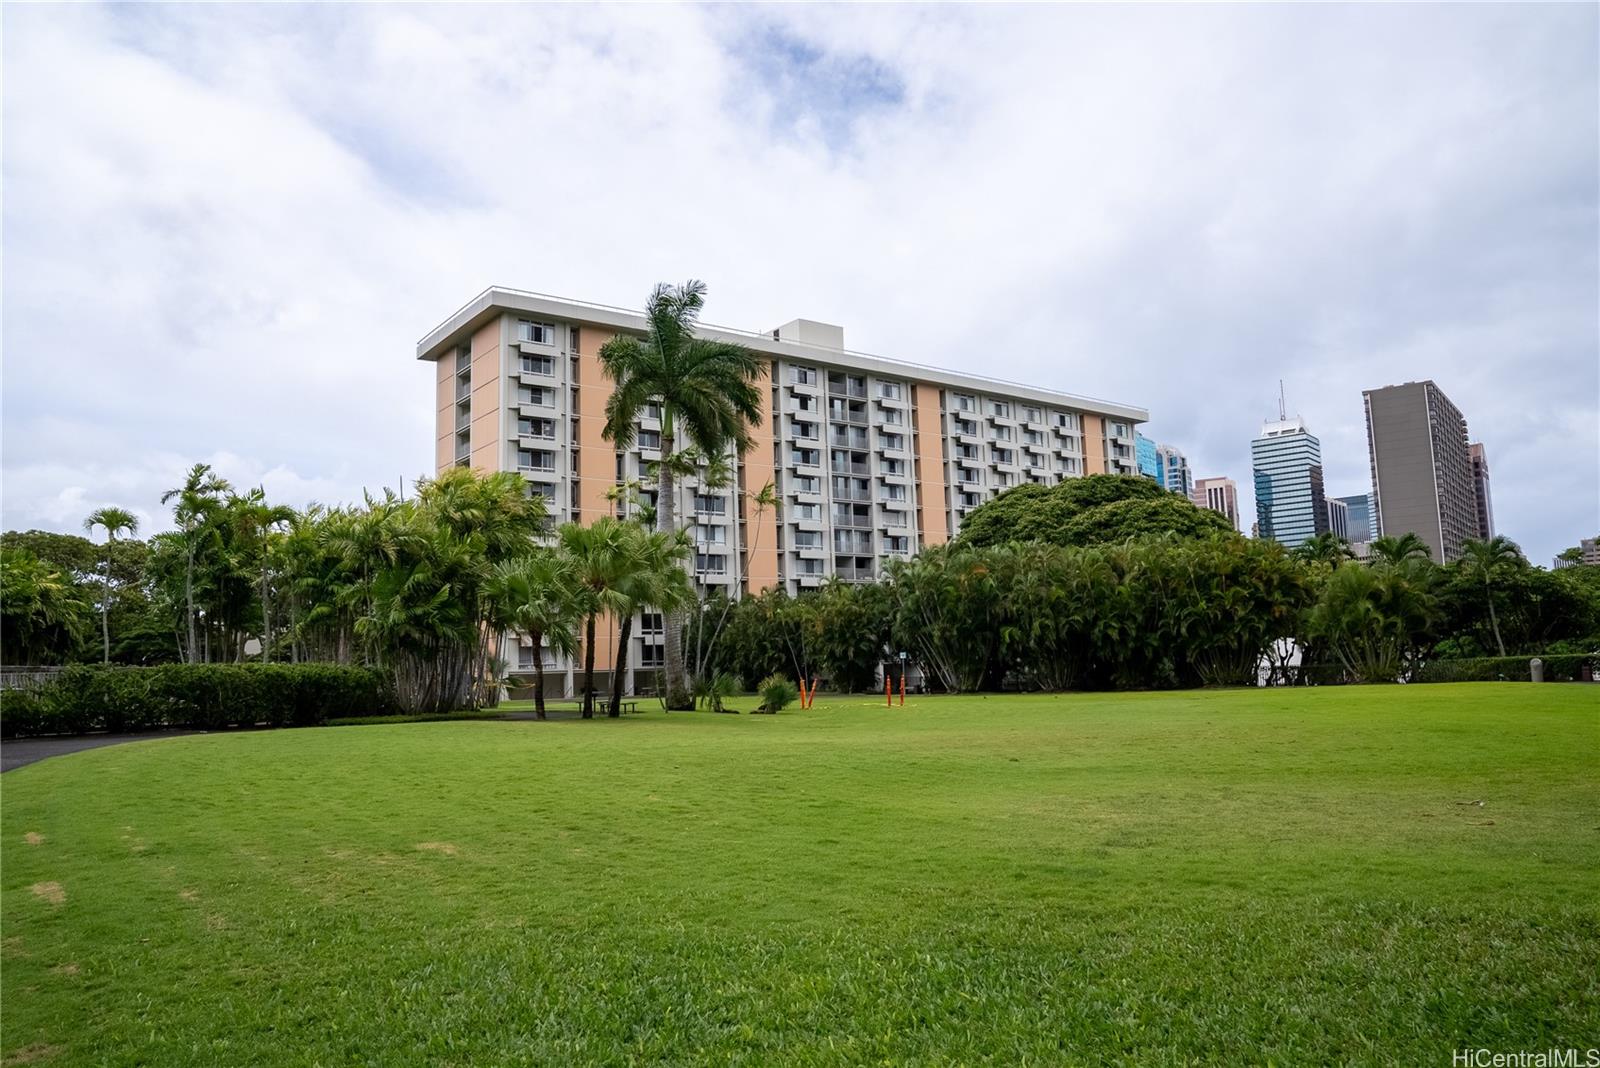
[(43, 613), (1168, 514), (1032, 512)]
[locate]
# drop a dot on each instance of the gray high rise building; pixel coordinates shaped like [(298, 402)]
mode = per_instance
[(1480, 490), (1421, 467), (1287, 462)]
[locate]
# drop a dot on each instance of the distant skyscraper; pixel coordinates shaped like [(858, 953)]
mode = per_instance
[(1421, 467), (1287, 462), (1144, 456), (1172, 470), (1480, 490), (1358, 516), (1338, 518), (1219, 495)]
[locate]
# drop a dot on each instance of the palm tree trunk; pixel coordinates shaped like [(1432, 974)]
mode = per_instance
[(266, 621), (622, 669), (677, 696), (538, 674), (188, 599), (588, 667), (1488, 595), (105, 606)]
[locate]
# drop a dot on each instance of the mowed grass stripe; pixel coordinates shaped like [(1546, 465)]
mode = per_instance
[(1219, 877)]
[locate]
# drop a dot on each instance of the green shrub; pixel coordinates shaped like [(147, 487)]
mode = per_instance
[(1561, 667), (195, 696), (776, 693), (24, 713)]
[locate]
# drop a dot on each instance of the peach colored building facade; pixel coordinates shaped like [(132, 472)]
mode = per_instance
[(871, 459)]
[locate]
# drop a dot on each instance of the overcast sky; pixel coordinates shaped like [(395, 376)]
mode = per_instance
[(225, 227)]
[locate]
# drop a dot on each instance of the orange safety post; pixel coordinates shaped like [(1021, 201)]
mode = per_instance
[(888, 691), (902, 688)]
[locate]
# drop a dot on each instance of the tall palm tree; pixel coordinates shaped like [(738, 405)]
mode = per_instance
[(539, 595), (709, 399), (197, 504), (114, 521), (601, 556), (256, 520), (655, 578), (1485, 558), (1397, 550)]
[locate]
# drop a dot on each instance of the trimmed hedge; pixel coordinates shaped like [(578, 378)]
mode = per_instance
[(1564, 667), (194, 696)]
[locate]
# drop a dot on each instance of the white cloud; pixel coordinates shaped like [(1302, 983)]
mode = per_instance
[(225, 227)]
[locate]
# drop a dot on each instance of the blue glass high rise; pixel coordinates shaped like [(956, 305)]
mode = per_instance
[(1287, 461)]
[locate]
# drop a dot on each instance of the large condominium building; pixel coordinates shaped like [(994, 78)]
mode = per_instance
[(871, 458), (1484, 503), (1219, 495), (1287, 462), (1422, 480)]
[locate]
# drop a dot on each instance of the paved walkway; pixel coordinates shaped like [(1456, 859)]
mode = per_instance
[(24, 751)]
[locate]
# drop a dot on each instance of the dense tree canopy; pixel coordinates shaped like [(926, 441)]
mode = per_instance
[(1086, 511)]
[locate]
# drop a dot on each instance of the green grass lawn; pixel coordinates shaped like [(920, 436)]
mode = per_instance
[(1229, 877)]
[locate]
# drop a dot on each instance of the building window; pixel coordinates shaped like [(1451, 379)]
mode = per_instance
[(711, 563), (889, 390), (1000, 433), (1002, 456), (652, 623), (536, 428), (894, 520), (1000, 409), (893, 417), (897, 543), (652, 656), (803, 376), (804, 431), (892, 467), (649, 439), (711, 535), (539, 395), (966, 426), (539, 365), (804, 402), (808, 539), (538, 333), (536, 460), (709, 504), (896, 442), (965, 403), (1032, 415), (807, 484), (809, 567), (892, 491), (807, 457), (806, 511), (969, 476)]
